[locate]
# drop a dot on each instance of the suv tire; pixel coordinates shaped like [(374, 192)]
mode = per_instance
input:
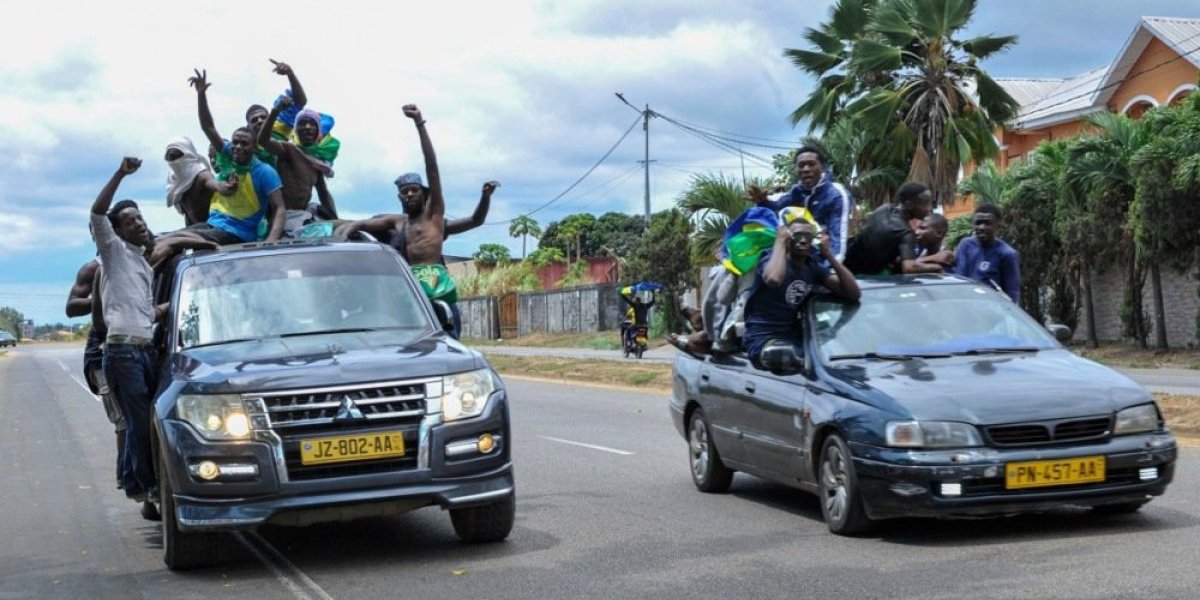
[(182, 550), (487, 523)]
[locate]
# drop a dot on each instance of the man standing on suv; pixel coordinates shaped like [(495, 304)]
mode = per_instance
[(129, 313)]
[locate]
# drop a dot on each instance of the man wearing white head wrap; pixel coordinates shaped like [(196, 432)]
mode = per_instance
[(191, 182)]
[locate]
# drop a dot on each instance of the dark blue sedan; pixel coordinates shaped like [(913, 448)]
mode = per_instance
[(931, 397)]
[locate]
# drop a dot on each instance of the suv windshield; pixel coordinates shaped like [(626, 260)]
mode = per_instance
[(253, 297), (925, 321)]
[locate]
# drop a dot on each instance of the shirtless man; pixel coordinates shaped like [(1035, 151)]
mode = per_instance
[(422, 228), (299, 172)]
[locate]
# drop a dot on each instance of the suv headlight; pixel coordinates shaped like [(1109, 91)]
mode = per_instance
[(932, 434), (1135, 419), (215, 416), (466, 394)]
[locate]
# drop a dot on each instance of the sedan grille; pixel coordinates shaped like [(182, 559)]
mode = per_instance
[(1050, 432)]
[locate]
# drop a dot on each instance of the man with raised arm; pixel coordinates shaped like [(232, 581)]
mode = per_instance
[(419, 232), (298, 172), (828, 201), (129, 313), (234, 219)]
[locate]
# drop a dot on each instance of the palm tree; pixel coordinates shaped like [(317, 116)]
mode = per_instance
[(988, 184), (711, 202), (1100, 164), (524, 226), (907, 77), (1165, 212)]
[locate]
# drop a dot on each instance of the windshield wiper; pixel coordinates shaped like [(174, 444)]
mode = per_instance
[(323, 331), (885, 356), (222, 342), (1001, 350)]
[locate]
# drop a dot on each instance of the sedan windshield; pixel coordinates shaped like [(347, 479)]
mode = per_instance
[(296, 294), (925, 321)]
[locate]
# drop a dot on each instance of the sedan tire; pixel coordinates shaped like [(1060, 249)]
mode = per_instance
[(841, 503), (708, 472)]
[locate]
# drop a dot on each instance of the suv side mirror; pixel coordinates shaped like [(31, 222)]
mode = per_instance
[(1062, 333), (444, 314), (782, 359)]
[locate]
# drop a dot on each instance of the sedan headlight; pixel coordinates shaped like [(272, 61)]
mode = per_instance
[(466, 394), (932, 434), (1136, 419), (215, 416)]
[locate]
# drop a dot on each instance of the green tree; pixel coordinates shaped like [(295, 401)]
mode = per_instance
[(711, 202), (900, 70), (1100, 165), (524, 226), (546, 255), (492, 254), (10, 321), (658, 259), (1166, 213), (1028, 193)]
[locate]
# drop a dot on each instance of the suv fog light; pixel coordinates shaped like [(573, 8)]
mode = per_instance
[(1148, 474), (206, 470), (951, 489), (486, 443), (457, 449)]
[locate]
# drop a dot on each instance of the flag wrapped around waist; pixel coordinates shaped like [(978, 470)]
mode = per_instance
[(436, 282)]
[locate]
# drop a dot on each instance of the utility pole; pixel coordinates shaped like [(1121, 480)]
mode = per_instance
[(646, 114), (646, 128)]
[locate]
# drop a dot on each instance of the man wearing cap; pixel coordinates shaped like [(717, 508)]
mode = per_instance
[(420, 231)]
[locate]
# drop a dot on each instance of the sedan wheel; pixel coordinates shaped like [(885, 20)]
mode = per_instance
[(841, 504), (708, 472)]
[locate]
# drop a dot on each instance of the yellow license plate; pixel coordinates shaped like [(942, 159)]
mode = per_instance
[(1044, 473), (346, 448)]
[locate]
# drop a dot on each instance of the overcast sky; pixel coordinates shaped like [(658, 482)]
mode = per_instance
[(521, 91)]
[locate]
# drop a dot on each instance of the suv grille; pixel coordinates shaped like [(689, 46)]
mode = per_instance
[(1050, 432), (299, 415)]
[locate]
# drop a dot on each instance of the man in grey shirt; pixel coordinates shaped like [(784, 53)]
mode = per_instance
[(126, 295)]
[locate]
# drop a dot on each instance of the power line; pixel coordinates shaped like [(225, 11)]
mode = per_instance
[(1119, 81), (717, 141), (581, 177)]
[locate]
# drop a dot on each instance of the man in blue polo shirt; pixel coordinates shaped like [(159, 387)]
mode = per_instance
[(986, 258)]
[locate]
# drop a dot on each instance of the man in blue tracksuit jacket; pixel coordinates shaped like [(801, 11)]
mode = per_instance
[(828, 201)]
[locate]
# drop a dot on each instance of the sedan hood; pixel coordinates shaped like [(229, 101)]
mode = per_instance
[(991, 389), (320, 360)]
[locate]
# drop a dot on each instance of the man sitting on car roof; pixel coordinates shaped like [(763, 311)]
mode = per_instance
[(785, 277)]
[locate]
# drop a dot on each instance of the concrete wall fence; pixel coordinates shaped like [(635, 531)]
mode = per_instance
[(1180, 304)]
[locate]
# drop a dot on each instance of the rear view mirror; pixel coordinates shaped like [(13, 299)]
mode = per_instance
[(444, 314), (782, 359), (1062, 333)]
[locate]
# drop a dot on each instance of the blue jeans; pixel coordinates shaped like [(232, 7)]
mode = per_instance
[(131, 380), (456, 318)]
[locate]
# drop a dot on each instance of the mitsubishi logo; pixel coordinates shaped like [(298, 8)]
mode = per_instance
[(348, 411)]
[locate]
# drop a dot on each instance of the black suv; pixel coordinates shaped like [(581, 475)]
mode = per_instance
[(313, 381)]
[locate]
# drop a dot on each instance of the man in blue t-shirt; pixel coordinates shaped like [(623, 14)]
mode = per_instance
[(786, 276), (986, 258), (234, 218)]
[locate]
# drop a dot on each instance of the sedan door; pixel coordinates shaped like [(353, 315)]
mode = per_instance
[(771, 417)]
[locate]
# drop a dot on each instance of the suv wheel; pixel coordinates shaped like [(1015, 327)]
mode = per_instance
[(487, 523), (182, 550)]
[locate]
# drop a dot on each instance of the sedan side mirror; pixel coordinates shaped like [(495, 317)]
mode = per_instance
[(444, 314), (782, 359), (1062, 333)]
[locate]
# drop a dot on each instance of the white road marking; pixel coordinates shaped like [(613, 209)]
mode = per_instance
[(299, 584), (583, 445), (81, 382)]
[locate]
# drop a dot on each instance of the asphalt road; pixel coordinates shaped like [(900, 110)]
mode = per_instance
[(1167, 381), (605, 510)]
